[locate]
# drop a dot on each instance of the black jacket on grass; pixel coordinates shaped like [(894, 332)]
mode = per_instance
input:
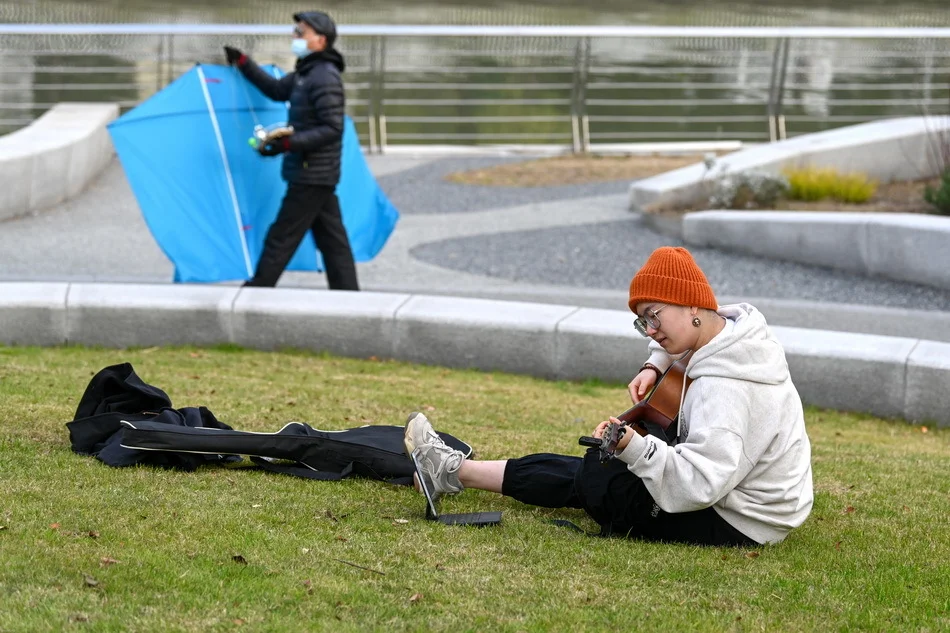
[(116, 393), (317, 103)]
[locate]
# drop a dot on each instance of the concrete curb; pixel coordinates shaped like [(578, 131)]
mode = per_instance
[(54, 158), (879, 375), (837, 317), (899, 246)]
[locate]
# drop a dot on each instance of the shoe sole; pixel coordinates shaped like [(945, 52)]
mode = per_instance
[(409, 446), (406, 439)]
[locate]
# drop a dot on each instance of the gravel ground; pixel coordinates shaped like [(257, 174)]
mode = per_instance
[(101, 235), (423, 189)]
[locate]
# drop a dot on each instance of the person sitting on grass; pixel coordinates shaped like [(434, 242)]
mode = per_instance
[(738, 472)]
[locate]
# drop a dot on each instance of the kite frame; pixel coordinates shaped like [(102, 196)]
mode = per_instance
[(227, 171)]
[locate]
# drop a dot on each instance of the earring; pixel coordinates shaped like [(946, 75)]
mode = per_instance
[(696, 322)]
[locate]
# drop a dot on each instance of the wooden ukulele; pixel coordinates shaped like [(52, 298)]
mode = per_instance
[(654, 415)]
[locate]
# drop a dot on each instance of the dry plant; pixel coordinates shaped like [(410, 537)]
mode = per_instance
[(938, 145), (938, 153)]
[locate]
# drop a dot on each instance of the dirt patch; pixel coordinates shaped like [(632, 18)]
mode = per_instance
[(893, 197), (573, 170)]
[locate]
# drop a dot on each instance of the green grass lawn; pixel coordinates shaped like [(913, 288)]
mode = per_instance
[(87, 547)]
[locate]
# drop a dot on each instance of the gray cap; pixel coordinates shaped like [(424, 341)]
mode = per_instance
[(319, 22)]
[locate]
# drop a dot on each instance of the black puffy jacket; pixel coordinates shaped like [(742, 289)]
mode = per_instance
[(317, 103)]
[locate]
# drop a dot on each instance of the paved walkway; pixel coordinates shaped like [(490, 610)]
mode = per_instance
[(569, 244)]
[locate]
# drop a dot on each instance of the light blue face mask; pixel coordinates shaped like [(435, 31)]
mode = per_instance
[(299, 47)]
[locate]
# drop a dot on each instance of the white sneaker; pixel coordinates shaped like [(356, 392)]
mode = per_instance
[(439, 462)]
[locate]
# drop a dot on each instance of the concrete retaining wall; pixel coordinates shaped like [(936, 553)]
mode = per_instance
[(899, 246), (887, 150), (886, 376), (55, 158)]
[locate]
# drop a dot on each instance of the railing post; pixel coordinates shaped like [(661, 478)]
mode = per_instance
[(159, 51), (575, 83), (585, 120), (927, 79), (371, 100), (770, 104), (170, 66), (377, 116), (783, 70), (776, 119), (580, 127), (381, 85)]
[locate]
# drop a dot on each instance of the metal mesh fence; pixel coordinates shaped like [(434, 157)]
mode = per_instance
[(551, 89)]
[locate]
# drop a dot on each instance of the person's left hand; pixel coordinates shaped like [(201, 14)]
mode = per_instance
[(599, 431), (233, 55), (625, 438)]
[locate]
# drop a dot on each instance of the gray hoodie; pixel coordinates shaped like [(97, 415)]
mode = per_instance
[(743, 448)]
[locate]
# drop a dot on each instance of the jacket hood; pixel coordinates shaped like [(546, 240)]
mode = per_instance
[(328, 55), (747, 351)]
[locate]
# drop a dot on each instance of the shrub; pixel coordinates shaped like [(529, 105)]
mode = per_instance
[(811, 184), (747, 190), (855, 189), (939, 196)]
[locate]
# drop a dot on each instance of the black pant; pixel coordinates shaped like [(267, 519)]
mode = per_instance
[(305, 208), (614, 497)]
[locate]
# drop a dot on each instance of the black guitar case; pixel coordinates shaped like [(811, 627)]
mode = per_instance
[(122, 421), (368, 451)]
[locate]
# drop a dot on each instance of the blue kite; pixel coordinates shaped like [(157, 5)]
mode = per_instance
[(208, 197)]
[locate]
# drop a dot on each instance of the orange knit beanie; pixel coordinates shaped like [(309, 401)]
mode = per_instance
[(671, 275)]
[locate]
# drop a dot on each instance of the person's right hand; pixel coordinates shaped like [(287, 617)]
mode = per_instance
[(233, 55), (640, 386)]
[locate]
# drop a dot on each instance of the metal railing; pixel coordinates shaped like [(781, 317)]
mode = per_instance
[(580, 86)]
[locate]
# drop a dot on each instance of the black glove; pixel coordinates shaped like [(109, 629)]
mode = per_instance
[(274, 148), (233, 55)]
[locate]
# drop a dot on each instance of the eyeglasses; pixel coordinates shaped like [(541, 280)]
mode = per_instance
[(649, 319), (298, 32)]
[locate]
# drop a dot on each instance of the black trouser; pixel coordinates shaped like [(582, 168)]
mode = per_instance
[(308, 208), (614, 497)]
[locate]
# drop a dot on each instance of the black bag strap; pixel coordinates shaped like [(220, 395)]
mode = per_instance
[(297, 469)]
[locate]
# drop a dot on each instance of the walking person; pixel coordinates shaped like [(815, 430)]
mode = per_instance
[(739, 471), (311, 154)]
